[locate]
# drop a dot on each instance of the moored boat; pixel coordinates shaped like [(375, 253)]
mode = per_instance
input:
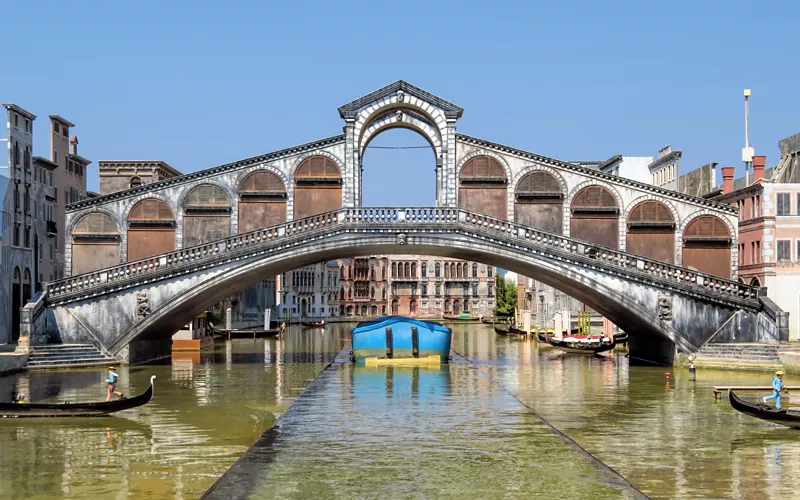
[(313, 324), (789, 418), (400, 338), (249, 333), (75, 409), (464, 318), (576, 345)]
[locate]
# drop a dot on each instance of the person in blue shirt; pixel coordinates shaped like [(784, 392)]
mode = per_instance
[(112, 384), (777, 387)]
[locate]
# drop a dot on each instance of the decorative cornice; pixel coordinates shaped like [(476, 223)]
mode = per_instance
[(17, 109), (184, 179), (668, 158), (590, 172), (350, 109)]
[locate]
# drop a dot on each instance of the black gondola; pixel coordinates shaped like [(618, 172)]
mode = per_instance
[(459, 319), (789, 418), (250, 333), (313, 324), (508, 330), (75, 409), (577, 348)]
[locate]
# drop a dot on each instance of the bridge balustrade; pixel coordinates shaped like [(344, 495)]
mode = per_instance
[(509, 233)]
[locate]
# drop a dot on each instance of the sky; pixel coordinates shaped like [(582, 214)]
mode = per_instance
[(197, 83)]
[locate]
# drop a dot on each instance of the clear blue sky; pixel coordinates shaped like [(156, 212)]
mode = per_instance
[(199, 83)]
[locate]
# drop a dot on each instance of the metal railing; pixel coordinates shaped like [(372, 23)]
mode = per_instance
[(401, 219)]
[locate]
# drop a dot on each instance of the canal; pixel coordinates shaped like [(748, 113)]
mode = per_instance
[(471, 429)]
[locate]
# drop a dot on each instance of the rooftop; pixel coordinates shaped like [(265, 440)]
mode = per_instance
[(44, 162), (61, 120), (115, 164), (17, 109)]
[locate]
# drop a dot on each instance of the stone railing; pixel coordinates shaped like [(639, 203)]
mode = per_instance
[(407, 219), (31, 318)]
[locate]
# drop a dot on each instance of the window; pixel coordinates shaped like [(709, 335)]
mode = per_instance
[(16, 121), (784, 250), (475, 289), (489, 272), (27, 125), (137, 181), (425, 264), (757, 207), (438, 270), (491, 291), (438, 289), (798, 203), (55, 156), (797, 245), (56, 127), (783, 204), (65, 130), (474, 270), (757, 256)]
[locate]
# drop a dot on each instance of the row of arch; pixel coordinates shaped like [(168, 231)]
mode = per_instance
[(540, 200)]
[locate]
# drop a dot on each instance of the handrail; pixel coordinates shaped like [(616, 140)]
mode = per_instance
[(402, 219)]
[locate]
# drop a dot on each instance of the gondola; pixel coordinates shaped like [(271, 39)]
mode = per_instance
[(542, 336), (789, 418), (249, 333), (313, 324), (485, 321), (459, 319), (508, 330), (75, 409), (577, 348)]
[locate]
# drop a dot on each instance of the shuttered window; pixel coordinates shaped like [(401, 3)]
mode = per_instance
[(594, 199), (96, 223), (206, 198), (482, 169), (538, 184), (151, 212), (650, 213), (706, 227), (262, 184), (318, 168)]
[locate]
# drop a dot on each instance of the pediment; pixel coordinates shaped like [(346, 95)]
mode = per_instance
[(351, 109)]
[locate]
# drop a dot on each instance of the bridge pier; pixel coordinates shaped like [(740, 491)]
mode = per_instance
[(651, 350)]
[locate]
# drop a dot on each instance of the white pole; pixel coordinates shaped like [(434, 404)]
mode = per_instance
[(266, 318)]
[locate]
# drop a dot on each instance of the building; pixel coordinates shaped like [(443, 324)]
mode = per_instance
[(430, 287), (769, 228), (664, 170), (364, 286), (121, 175), (309, 292), (69, 179)]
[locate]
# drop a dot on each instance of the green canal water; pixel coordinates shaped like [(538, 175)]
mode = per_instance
[(471, 429)]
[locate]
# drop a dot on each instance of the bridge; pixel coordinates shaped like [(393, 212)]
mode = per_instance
[(137, 305), (142, 261)]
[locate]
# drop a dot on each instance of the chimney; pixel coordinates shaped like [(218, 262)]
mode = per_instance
[(73, 145), (727, 179), (758, 167)]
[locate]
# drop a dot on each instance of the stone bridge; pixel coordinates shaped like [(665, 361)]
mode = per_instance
[(131, 310)]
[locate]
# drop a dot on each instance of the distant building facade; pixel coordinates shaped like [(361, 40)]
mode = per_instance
[(121, 175), (309, 292)]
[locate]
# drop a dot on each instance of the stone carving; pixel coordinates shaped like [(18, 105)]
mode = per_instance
[(401, 96), (142, 304), (401, 238), (664, 308), (399, 115)]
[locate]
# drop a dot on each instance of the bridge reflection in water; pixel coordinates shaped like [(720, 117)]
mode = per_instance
[(458, 430)]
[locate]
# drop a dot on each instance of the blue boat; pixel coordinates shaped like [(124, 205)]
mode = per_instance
[(400, 339)]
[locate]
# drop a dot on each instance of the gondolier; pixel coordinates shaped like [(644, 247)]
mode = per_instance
[(777, 387), (112, 384)]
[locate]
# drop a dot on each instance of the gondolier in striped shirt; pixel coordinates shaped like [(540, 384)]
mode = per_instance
[(112, 384)]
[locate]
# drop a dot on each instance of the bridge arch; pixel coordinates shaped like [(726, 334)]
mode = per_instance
[(405, 119), (205, 214), (602, 296), (539, 194), (94, 242), (708, 244), (594, 210), (651, 229), (262, 199)]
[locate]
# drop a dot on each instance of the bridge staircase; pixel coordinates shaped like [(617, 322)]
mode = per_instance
[(739, 355), (67, 356)]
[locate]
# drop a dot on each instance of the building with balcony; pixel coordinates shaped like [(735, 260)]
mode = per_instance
[(310, 292), (363, 286)]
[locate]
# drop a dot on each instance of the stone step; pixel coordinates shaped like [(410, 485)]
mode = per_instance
[(56, 347), (67, 357), (75, 364), (70, 361)]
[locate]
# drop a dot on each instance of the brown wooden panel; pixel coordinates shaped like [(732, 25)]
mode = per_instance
[(544, 216), (650, 211), (594, 197), (146, 242), (257, 215), (538, 182), (261, 181), (706, 226), (708, 258), (90, 256), (199, 229), (652, 243), (151, 209), (482, 167), (206, 195), (600, 230), (96, 223), (318, 166), (490, 201), (310, 200)]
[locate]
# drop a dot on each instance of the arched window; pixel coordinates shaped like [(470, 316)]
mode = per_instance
[(482, 187), (16, 153), (438, 270), (95, 243), (707, 246), (206, 215), (262, 201), (407, 269), (372, 293), (383, 293), (151, 229), (135, 182), (394, 269), (595, 216), (413, 269), (651, 231), (424, 269), (350, 293), (318, 187), (474, 269), (458, 271)]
